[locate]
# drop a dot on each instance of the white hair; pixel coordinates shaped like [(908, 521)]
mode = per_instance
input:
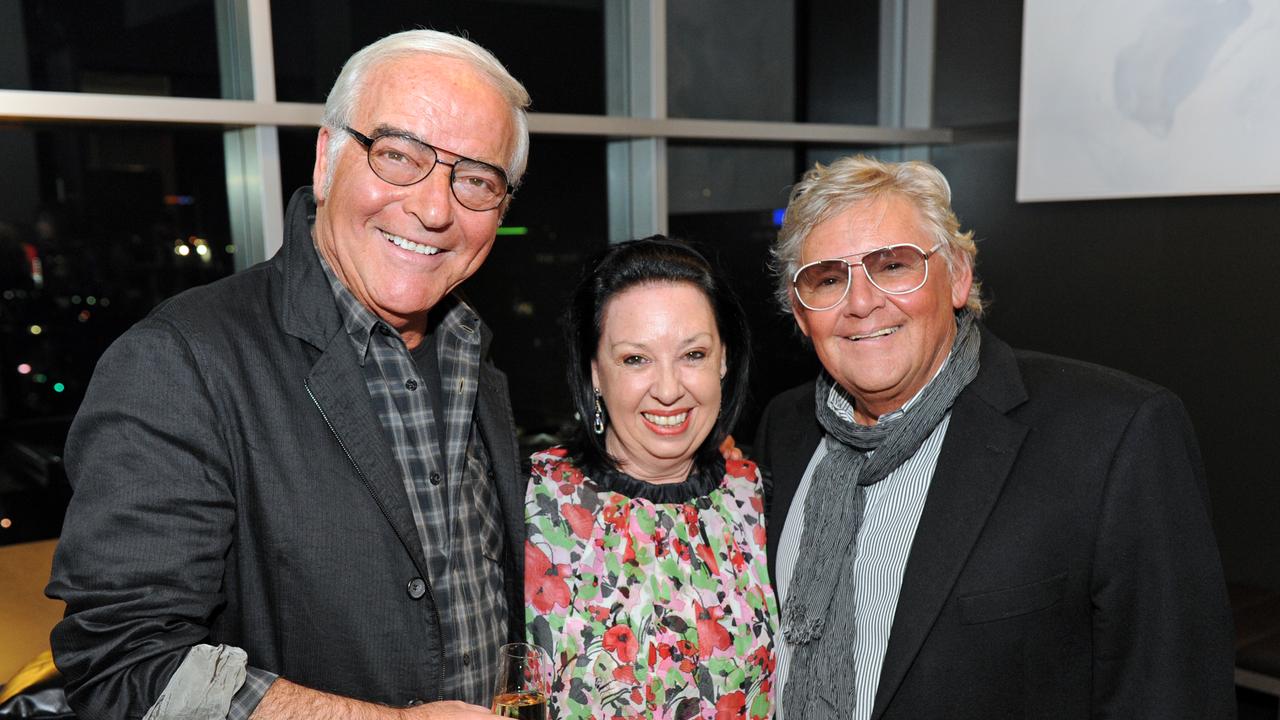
[(344, 97)]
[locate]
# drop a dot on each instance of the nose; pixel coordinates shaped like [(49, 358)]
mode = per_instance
[(431, 199), (667, 388), (863, 297)]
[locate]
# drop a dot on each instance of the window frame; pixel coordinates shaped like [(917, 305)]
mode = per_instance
[(636, 127)]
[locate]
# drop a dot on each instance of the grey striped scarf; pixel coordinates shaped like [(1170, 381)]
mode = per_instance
[(818, 620)]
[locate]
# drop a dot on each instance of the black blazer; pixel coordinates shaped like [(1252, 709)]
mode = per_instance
[(233, 485), (1064, 565)]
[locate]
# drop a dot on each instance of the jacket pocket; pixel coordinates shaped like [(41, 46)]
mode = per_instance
[(1012, 602)]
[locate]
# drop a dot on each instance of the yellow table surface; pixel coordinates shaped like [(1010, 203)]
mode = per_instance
[(26, 615)]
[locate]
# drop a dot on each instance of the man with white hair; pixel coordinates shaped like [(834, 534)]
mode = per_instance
[(958, 529), (297, 491)]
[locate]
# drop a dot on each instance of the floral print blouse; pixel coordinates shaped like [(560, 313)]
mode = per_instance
[(653, 600)]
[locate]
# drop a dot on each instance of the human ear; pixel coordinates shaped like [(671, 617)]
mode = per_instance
[(323, 138)]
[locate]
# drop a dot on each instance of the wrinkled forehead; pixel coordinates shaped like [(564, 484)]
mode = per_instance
[(442, 101), (863, 226)]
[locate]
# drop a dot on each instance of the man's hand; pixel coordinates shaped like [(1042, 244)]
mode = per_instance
[(288, 701), (449, 710)]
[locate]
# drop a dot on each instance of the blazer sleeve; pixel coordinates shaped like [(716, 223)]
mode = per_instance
[(140, 562), (1162, 631)]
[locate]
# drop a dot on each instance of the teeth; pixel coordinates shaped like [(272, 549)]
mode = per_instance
[(878, 333), (666, 420), (411, 245)]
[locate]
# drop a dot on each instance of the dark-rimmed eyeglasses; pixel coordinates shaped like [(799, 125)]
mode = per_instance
[(895, 270), (405, 160)]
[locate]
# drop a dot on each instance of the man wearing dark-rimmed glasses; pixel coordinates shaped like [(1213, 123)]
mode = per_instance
[(297, 491), (402, 159), (959, 529)]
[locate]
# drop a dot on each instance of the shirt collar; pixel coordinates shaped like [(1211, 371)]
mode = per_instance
[(458, 318), (358, 320)]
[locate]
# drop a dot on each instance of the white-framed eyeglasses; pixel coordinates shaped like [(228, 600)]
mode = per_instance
[(895, 270)]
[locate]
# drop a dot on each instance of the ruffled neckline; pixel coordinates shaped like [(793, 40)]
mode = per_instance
[(702, 481)]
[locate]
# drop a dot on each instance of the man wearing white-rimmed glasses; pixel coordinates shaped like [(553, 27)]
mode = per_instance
[(959, 529)]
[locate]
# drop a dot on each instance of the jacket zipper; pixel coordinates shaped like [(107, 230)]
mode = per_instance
[(435, 609)]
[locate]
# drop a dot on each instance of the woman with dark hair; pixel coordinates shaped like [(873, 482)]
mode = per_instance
[(645, 572)]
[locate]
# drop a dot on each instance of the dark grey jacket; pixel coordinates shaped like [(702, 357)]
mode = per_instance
[(233, 485), (1064, 565)]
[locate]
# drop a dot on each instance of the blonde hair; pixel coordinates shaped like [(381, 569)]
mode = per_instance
[(827, 190)]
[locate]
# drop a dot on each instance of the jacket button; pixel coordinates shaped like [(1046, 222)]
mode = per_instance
[(435, 478), (416, 588), (410, 384)]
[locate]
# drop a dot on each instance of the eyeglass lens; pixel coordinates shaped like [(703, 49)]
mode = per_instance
[(402, 161), (896, 270)]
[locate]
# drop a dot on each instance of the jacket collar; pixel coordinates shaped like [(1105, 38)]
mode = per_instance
[(999, 381), (309, 312)]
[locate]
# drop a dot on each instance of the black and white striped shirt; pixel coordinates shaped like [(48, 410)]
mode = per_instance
[(893, 508)]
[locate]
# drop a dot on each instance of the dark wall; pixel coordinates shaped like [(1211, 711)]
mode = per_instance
[(1177, 290)]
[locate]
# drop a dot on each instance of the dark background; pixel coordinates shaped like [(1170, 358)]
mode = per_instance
[(1175, 290), (1171, 289)]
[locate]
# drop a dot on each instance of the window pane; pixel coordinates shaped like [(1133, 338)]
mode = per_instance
[(554, 47), (524, 286), (558, 219), (814, 61), (739, 70), (125, 47), (97, 225), (726, 178), (840, 51)]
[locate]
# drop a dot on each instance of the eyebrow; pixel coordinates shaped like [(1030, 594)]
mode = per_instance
[(691, 340), (382, 129), (385, 129)]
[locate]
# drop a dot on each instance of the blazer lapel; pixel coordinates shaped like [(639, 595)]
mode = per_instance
[(496, 423), (493, 412), (976, 457), (338, 387), (336, 383)]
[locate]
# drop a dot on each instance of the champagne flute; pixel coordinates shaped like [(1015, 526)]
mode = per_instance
[(524, 681)]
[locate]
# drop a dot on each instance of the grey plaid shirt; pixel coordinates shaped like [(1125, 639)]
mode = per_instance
[(448, 481)]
